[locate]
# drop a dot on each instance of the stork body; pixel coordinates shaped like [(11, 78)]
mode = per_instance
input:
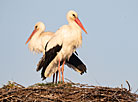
[(67, 38), (39, 39)]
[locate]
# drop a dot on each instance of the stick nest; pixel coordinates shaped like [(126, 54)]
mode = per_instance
[(67, 92)]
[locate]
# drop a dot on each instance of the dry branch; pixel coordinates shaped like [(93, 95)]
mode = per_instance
[(68, 92)]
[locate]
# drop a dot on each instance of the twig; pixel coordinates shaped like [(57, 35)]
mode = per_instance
[(122, 86), (18, 84), (136, 91), (28, 95), (69, 81), (129, 88)]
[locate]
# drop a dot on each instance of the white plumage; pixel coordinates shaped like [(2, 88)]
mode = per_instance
[(69, 36), (39, 38)]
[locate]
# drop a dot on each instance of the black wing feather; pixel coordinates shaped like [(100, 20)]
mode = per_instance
[(41, 63), (49, 56), (76, 63)]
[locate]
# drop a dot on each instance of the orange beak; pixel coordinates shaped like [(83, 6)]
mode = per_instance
[(31, 36), (80, 24)]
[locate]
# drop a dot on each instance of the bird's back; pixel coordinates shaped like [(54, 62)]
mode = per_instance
[(38, 43), (45, 37)]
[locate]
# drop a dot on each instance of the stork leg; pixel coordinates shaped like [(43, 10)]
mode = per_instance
[(53, 77), (56, 76), (59, 71), (63, 71)]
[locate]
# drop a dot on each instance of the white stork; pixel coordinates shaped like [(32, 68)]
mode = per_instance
[(60, 47), (38, 40)]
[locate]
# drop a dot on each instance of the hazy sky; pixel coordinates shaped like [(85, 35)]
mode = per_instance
[(110, 50)]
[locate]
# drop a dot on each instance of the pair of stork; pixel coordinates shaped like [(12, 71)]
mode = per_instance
[(58, 48)]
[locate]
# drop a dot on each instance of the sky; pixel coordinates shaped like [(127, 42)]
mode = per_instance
[(109, 50)]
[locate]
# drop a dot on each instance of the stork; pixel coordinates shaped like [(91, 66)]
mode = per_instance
[(60, 47), (38, 40)]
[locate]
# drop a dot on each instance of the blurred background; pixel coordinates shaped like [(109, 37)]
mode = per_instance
[(110, 50)]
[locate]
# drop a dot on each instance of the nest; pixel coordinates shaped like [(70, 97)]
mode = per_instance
[(67, 92)]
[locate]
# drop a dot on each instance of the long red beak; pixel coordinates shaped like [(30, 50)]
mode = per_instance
[(31, 36), (80, 24)]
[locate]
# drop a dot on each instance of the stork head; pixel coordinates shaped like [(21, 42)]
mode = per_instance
[(38, 27), (72, 16)]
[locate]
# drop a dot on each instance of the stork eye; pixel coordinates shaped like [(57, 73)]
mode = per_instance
[(36, 27), (74, 15)]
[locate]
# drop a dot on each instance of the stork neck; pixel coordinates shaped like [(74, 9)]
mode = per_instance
[(74, 25), (37, 34)]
